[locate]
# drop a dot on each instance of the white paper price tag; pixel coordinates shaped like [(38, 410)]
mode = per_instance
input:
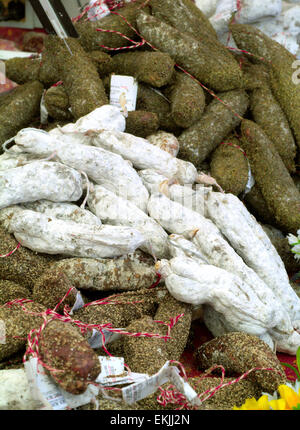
[(111, 366), (123, 91), (134, 393), (96, 340), (42, 387), (79, 303), (138, 391)]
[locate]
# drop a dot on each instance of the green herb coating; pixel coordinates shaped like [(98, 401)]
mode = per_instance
[(153, 68), (268, 114), (21, 109), (170, 308), (18, 324), (145, 354), (185, 16), (51, 287), (92, 39), (217, 121), (57, 103), (151, 101), (62, 347), (10, 291), (141, 123), (80, 77), (24, 266), (272, 177), (187, 100), (229, 167), (22, 70), (239, 352), (281, 67), (218, 71)]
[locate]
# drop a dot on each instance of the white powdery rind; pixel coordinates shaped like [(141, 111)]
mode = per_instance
[(154, 181), (197, 284), (101, 166), (250, 241), (115, 210), (181, 247), (15, 391), (205, 235), (165, 141), (39, 180), (143, 155), (13, 158), (218, 326), (175, 218), (63, 211), (42, 233)]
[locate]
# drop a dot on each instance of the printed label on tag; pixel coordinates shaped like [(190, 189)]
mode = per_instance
[(129, 378), (74, 401), (134, 393), (123, 92), (79, 303), (96, 340), (183, 386), (99, 11), (42, 387), (111, 366)]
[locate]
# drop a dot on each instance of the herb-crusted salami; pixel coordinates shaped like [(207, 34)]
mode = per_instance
[(217, 121), (131, 272), (219, 72), (62, 347), (153, 68), (21, 109)]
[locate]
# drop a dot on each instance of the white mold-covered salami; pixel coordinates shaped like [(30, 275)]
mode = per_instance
[(63, 211), (103, 167), (217, 289), (218, 326), (39, 180), (155, 182), (177, 219), (188, 197), (179, 246), (42, 233), (15, 392), (250, 241), (106, 117), (115, 210), (283, 342), (165, 141), (14, 158), (196, 284), (143, 155)]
